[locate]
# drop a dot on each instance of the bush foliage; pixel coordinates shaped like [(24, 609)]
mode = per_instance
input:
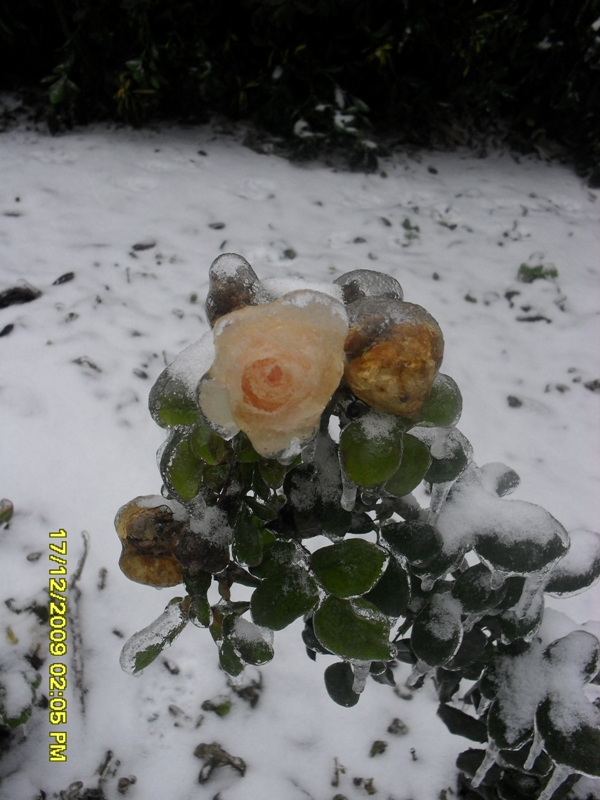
[(318, 71)]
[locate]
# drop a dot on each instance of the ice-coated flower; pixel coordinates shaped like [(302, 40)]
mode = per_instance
[(275, 369)]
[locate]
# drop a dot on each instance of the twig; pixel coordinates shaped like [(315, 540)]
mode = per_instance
[(75, 623)]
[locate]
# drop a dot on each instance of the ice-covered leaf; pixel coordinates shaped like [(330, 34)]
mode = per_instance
[(146, 645), (418, 542), (204, 546), (462, 724), (173, 399), (437, 631), (469, 762), (277, 557), (509, 535), (247, 543), (473, 588), (413, 467), (499, 479), (443, 406), (371, 448), (207, 445), (251, 643), (391, 593), (180, 469), (571, 735), (525, 617), (314, 493), (450, 451), (339, 680), (348, 568), (197, 587), (579, 568), (353, 629), (470, 651), (283, 597)]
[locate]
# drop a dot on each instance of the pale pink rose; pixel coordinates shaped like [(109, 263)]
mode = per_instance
[(275, 369)]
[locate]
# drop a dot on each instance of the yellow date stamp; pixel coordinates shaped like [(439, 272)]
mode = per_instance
[(57, 670)]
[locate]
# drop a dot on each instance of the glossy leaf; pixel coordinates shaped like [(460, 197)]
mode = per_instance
[(572, 742), (353, 629), (462, 724), (283, 597), (181, 470), (413, 467), (579, 568), (443, 406), (391, 594), (371, 448), (473, 588), (349, 568), (418, 542), (207, 445), (172, 403), (339, 680), (247, 544)]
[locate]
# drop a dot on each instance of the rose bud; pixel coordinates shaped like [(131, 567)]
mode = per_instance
[(233, 284), (393, 351), (361, 283), (275, 369), (157, 571)]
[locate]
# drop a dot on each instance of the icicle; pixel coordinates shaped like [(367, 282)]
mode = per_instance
[(420, 669), (348, 493), (439, 496), (559, 776), (483, 705), (488, 762), (236, 681), (361, 673), (534, 751), (438, 448), (428, 582)]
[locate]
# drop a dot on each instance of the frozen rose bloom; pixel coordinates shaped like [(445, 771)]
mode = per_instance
[(394, 351), (275, 369)]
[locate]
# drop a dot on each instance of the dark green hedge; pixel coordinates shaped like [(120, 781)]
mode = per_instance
[(425, 70)]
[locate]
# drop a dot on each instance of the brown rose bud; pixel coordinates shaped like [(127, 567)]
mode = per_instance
[(393, 350), (157, 571), (276, 368), (233, 284), (148, 530)]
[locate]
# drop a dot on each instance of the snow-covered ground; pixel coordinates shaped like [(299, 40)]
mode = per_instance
[(78, 441)]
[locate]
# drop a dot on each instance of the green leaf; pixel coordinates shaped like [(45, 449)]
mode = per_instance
[(57, 92), (339, 680), (462, 724), (146, 645), (418, 542), (570, 741), (272, 472), (470, 651), (413, 467), (349, 568), (437, 632), (247, 546), (353, 629), (473, 588), (249, 641), (181, 470), (172, 402), (229, 660), (207, 445), (371, 448), (283, 597), (579, 568), (443, 406), (391, 594), (197, 587), (277, 557)]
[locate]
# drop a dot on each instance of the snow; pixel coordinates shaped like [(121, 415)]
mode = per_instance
[(78, 441)]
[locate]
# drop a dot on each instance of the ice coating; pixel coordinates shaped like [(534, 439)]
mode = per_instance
[(513, 536), (276, 367), (278, 287), (361, 283), (145, 645), (394, 350), (233, 284)]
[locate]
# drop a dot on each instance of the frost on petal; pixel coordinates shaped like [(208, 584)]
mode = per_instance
[(276, 367), (394, 350)]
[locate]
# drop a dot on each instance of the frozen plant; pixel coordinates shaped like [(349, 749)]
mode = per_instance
[(317, 411)]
